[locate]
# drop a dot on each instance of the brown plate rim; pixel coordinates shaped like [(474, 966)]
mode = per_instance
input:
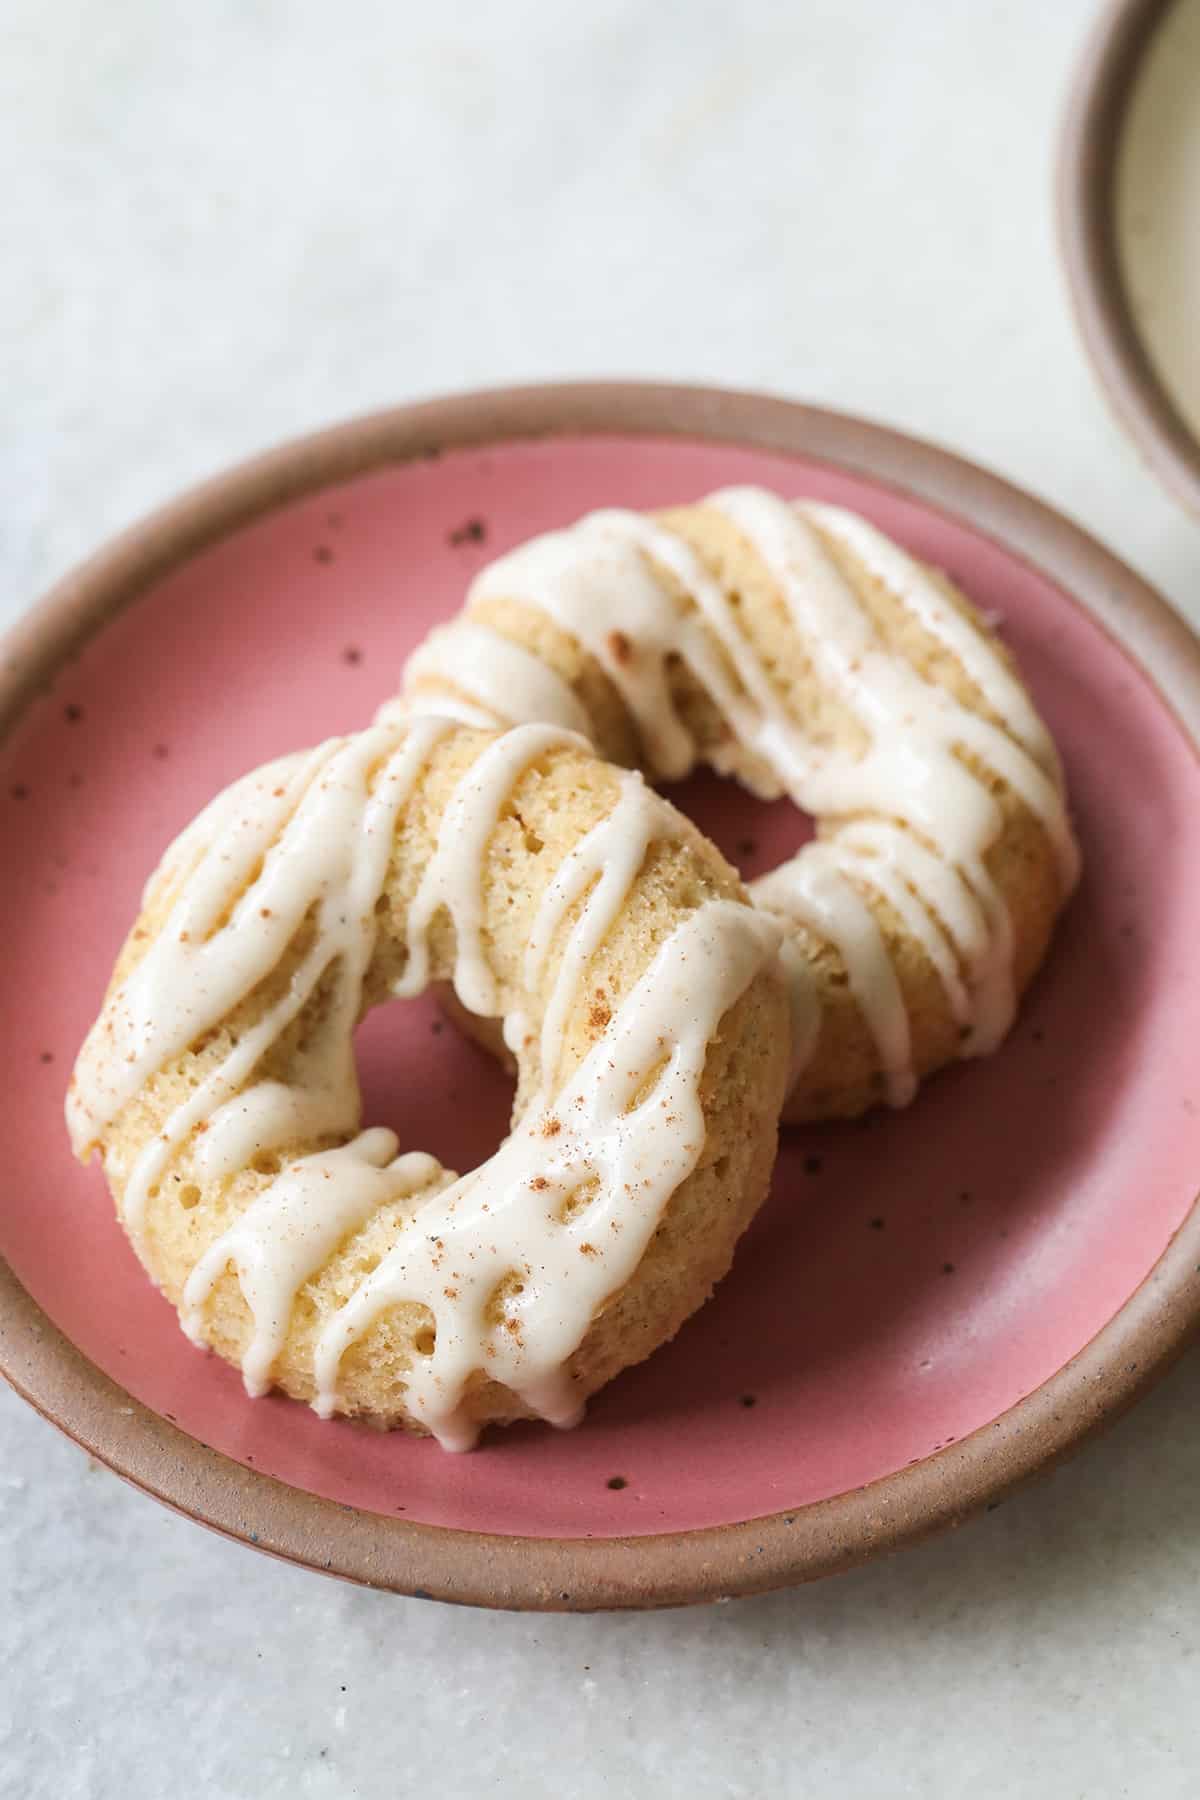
[(1088, 150), (569, 1574)]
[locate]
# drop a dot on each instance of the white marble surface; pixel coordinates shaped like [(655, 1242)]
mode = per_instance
[(227, 222)]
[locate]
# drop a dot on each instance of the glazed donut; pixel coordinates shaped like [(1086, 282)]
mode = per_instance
[(641, 993), (796, 648)]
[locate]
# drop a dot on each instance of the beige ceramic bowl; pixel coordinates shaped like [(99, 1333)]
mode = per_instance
[(1129, 218)]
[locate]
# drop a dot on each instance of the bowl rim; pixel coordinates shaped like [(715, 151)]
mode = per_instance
[(1089, 146), (572, 1574)]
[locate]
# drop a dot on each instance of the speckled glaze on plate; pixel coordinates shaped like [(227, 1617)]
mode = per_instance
[(1128, 173), (933, 1304)]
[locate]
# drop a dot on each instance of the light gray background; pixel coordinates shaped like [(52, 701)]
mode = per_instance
[(230, 221)]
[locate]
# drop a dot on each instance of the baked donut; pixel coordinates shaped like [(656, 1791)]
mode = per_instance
[(796, 648), (642, 996)]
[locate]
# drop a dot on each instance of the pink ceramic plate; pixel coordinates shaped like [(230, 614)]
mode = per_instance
[(932, 1305)]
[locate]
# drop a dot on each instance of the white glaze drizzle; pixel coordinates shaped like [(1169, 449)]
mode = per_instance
[(505, 1218), (594, 583), (245, 877), (912, 821), (450, 706), (812, 891), (268, 872), (879, 852), (601, 866), (910, 770), (451, 881), (599, 583), (490, 668), (290, 1230), (932, 608)]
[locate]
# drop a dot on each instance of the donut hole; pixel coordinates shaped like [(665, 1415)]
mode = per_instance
[(425, 1079), (754, 835), (425, 1340)]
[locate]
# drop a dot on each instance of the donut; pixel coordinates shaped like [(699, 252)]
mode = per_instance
[(642, 995), (795, 648)]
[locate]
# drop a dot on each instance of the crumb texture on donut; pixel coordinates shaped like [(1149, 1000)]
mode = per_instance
[(794, 647), (640, 996)]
